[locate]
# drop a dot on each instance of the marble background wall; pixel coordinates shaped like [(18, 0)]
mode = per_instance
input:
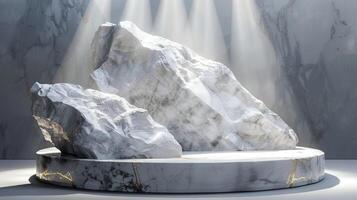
[(314, 41)]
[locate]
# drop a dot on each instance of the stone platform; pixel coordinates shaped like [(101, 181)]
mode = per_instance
[(194, 172)]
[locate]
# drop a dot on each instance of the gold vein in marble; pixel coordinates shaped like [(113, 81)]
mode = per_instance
[(292, 179), (137, 182), (66, 176)]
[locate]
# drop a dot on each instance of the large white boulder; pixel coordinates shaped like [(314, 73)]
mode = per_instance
[(94, 124), (197, 99)]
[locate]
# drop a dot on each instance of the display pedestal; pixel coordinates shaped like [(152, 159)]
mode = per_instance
[(194, 172)]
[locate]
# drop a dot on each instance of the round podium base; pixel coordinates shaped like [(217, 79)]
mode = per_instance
[(194, 172)]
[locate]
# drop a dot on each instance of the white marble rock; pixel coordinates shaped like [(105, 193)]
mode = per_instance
[(93, 124), (197, 99)]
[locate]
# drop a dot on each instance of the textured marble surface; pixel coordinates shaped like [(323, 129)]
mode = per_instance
[(199, 100), (199, 172), (315, 42), (18, 183), (93, 124)]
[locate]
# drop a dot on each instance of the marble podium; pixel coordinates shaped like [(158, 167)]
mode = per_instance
[(194, 172), (164, 120)]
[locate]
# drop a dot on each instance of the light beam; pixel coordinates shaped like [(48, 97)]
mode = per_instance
[(138, 12), (171, 21), (76, 66), (206, 36)]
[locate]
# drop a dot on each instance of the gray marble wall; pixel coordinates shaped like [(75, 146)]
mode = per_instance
[(34, 36), (315, 44)]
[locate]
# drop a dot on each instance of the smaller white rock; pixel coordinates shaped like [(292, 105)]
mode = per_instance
[(92, 124)]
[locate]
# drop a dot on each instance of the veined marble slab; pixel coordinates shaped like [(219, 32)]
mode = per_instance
[(194, 172)]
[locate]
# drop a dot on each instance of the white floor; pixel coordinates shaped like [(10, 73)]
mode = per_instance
[(17, 182)]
